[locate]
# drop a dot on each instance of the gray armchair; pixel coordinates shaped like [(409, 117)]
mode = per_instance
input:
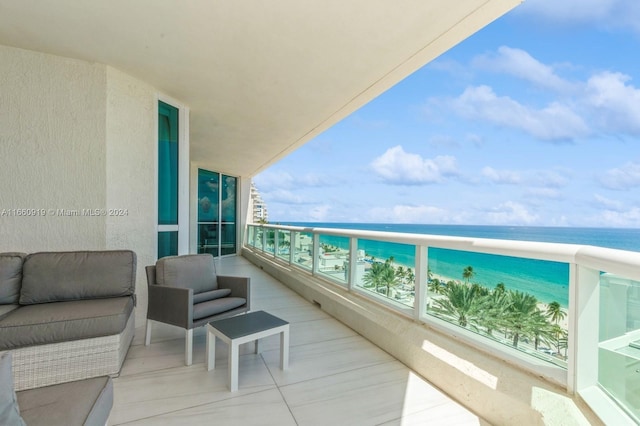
[(186, 292)]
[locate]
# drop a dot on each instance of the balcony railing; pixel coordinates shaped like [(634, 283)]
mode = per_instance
[(575, 307)]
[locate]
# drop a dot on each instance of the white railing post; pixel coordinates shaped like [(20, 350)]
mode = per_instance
[(422, 269), (292, 246), (353, 263), (316, 254), (276, 236), (584, 323)]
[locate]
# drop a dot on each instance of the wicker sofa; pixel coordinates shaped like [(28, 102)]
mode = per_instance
[(66, 316)]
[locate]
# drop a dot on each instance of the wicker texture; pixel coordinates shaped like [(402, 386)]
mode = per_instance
[(45, 365)]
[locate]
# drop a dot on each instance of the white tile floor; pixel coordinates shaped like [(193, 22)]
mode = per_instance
[(335, 376)]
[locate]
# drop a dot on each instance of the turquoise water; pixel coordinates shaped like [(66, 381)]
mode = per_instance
[(548, 281)]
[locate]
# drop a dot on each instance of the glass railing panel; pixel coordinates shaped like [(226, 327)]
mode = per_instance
[(284, 244), (251, 231), (519, 302), (333, 258), (387, 270), (619, 337), (256, 237), (303, 250), (269, 240)]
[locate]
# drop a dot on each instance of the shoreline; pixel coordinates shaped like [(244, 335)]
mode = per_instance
[(542, 306)]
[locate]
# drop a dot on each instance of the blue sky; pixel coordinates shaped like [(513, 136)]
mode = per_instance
[(534, 120)]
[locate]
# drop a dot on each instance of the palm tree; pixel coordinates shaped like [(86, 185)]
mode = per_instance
[(411, 277), (540, 328), (388, 277), (555, 312), (467, 273), (497, 305), (462, 304), (400, 274), (435, 286), (373, 276), (521, 310)]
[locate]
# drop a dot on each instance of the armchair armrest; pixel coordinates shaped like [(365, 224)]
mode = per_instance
[(171, 305), (240, 286)]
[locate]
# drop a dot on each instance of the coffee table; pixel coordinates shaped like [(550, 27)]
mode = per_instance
[(241, 329)]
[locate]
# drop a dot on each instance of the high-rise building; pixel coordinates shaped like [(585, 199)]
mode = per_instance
[(258, 206)]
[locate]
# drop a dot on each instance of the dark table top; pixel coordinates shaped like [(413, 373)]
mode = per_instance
[(243, 325)]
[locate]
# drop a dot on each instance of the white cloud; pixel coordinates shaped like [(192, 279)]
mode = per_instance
[(320, 213), (408, 214), (550, 178), (271, 181), (283, 196), (268, 180), (549, 193), (501, 176), (616, 104), (396, 166), (555, 122), (521, 64), (511, 213), (625, 219), (607, 203), (622, 178)]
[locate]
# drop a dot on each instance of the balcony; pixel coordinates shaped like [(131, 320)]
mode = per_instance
[(335, 375), (592, 366)]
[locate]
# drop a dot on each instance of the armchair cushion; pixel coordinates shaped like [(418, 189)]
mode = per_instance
[(193, 271), (211, 295), (217, 306)]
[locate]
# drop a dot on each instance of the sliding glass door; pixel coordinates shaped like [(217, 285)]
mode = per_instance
[(168, 140), (217, 213)]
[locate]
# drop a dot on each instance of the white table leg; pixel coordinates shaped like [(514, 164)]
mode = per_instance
[(234, 359), (257, 347), (211, 350), (284, 349)]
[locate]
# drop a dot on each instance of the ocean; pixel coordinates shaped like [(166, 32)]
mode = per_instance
[(548, 281)]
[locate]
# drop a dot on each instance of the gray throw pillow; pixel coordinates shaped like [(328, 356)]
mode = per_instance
[(9, 410)]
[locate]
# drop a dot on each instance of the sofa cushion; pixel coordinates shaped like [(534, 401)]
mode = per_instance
[(84, 402), (63, 276), (64, 321), (211, 295), (10, 277), (214, 307), (194, 271), (9, 409), (5, 309)]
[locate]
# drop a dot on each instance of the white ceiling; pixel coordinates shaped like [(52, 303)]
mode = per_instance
[(261, 77)]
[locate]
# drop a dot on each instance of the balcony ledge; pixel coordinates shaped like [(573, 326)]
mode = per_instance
[(496, 390)]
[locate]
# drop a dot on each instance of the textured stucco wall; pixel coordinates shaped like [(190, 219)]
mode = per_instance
[(52, 151), (131, 152), (76, 135)]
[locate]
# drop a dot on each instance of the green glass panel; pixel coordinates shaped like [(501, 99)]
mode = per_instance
[(208, 196), (167, 244), (228, 238), (167, 164), (208, 238)]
